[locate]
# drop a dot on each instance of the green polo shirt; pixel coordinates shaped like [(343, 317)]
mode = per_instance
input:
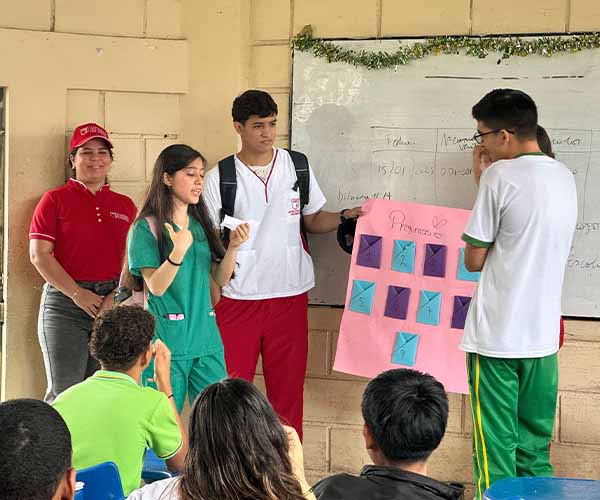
[(112, 418), (185, 320)]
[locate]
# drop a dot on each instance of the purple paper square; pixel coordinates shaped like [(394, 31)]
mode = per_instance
[(459, 312), (396, 305), (435, 260), (369, 251)]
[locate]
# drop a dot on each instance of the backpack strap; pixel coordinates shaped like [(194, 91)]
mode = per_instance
[(302, 175), (227, 189), (303, 179)]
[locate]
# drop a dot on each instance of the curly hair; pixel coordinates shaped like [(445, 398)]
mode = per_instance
[(120, 336)]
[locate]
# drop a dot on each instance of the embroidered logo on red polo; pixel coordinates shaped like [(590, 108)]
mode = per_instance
[(117, 215)]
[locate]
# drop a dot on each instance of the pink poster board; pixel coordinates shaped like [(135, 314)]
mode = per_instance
[(407, 293)]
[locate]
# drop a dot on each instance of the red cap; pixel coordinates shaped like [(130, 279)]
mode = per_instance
[(87, 131)]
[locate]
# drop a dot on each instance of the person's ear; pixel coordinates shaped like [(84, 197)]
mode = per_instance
[(238, 127), (370, 443), (167, 180), (505, 136), (146, 357), (66, 487)]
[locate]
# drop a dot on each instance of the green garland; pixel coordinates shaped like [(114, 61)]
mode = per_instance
[(472, 46)]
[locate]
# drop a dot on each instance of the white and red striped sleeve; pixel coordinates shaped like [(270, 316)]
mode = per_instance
[(44, 220)]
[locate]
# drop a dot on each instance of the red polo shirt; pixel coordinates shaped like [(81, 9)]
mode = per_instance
[(89, 231)]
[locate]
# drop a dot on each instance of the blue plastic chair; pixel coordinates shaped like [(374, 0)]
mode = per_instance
[(543, 488), (101, 482), (154, 468)]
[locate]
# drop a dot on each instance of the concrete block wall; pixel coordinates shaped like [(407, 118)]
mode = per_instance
[(140, 125), (333, 441), (122, 64), (134, 18)]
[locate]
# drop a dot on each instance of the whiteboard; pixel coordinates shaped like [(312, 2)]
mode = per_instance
[(406, 135)]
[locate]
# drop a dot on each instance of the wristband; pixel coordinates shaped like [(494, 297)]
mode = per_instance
[(171, 396), (172, 262)]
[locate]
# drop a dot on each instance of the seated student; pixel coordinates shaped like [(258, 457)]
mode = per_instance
[(110, 416), (238, 451), (35, 446), (405, 414)]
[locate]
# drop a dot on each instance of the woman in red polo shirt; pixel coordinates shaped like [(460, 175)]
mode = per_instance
[(77, 242)]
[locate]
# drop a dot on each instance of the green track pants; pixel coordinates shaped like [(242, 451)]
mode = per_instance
[(513, 404)]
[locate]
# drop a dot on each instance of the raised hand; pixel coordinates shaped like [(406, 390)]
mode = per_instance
[(352, 213), (239, 235), (162, 366), (182, 239), (481, 161), (295, 451)]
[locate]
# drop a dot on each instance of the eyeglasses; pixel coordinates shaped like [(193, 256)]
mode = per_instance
[(478, 138)]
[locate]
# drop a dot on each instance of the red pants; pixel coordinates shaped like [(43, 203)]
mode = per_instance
[(562, 333), (277, 329)]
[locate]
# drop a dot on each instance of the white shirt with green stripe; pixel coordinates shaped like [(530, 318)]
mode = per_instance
[(525, 213)]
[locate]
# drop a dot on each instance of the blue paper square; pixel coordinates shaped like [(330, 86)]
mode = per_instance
[(403, 256), (405, 349), (463, 273), (429, 308), (361, 299)]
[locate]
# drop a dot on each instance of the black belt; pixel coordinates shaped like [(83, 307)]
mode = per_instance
[(99, 287)]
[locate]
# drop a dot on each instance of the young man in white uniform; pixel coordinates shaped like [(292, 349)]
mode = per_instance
[(264, 308), (519, 236)]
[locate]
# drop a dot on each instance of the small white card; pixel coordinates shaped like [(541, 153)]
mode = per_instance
[(231, 222)]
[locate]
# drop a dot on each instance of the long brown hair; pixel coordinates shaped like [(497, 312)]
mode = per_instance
[(159, 200), (159, 205), (238, 449)]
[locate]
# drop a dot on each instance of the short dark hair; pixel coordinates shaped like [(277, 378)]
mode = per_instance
[(544, 141), (35, 445), (120, 336), (406, 412), (510, 110), (253, 103)]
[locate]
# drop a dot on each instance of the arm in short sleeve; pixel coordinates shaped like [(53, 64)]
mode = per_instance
[(45, 219), (484, 222), (164, 436), (316, 198), (142, 248), (212, 195), (132, 211)]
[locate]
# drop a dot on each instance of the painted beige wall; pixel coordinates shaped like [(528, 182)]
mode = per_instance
[(166, 70), (65, 62)]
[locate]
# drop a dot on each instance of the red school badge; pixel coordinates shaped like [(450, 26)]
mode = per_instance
[(295, 208)]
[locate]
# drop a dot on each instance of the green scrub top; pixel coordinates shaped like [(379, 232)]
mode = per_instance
[(185, 319)]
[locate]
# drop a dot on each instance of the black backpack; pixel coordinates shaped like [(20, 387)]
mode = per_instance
[(228, 187)]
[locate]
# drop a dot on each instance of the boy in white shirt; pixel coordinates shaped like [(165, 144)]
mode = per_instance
[(519, 236), (264, 307)]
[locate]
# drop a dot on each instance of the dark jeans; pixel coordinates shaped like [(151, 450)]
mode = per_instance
[(63, 332)]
